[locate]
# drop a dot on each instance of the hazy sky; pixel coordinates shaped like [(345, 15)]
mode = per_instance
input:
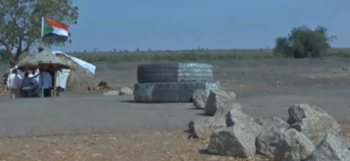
[(189, 24)]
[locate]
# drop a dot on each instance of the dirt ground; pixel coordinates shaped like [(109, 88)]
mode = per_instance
[(95, 127)]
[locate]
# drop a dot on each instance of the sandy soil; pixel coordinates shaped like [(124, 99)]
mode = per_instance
[(255, 75), (156, 131)]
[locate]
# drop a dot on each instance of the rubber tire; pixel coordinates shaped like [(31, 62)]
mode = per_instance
[(170, 92), (175, 72)]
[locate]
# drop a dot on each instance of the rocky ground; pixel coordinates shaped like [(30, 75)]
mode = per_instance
[(148, 146), (243, 77)]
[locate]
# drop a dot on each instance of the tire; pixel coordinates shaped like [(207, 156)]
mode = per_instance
[(175, 72), (170, 92)]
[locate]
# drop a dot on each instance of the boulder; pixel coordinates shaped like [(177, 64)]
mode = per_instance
[(111, 93), (200, 98), (237, 141), (269, 138), (270, 122), (218, 99), (237, 117), (202, 128), (222, 111), (125, 91), (293, 146), (332, 148), (313, 122)]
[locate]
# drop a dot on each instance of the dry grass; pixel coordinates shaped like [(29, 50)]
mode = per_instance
[(187, 55)]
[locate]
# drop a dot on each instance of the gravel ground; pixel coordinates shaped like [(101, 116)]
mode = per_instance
[(78, 126), (162, 146), (146, 146)]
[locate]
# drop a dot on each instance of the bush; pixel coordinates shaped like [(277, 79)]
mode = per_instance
[(303, 42)]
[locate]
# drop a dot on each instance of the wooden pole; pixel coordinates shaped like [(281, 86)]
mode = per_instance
[(42, 84)]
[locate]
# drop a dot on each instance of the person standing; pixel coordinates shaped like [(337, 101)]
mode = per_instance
[(26, 85), (14, 84), (20, 74), (46, 83), (34, 76)]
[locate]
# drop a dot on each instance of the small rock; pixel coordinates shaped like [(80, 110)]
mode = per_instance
[(102, 84), (313, 122), (125, 91), (200, 98), (202, 128), (294, 146), (213, 158), (332, 148), (219, 99), (259, 121), (235, 141), (58, 152), (96, 155), (111, 93), (222, 111)]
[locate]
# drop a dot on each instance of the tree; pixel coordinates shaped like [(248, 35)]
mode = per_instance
[(304, 42), (3, 55), (20, 23)]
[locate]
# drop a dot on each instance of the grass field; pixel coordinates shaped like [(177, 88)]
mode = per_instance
[(184, 55), (188, 55)]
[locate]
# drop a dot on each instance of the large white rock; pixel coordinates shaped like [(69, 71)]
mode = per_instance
[(125, 91)]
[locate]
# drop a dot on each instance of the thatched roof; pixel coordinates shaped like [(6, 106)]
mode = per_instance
[(41, 59), (80, 79)]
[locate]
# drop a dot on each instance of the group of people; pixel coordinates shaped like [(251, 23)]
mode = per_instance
[(29, 83)]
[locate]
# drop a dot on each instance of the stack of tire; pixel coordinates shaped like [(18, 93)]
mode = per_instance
[(173, 82)]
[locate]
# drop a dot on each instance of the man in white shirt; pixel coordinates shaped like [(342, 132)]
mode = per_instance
[(46, 83), (14, 84)]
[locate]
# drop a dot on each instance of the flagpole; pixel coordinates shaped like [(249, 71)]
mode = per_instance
[(41, 77), (42, 27)]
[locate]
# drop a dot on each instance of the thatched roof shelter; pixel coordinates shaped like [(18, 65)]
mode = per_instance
[(42, 59), (80, 79)]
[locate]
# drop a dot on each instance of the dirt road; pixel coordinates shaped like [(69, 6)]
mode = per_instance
[(100, 114)]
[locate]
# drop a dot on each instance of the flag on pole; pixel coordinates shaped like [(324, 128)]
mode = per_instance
[(54, 30)]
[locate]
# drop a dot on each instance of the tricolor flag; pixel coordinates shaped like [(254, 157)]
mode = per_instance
[(54, 30)]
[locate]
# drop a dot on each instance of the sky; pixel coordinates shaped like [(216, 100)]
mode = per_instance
[(106, 25)]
